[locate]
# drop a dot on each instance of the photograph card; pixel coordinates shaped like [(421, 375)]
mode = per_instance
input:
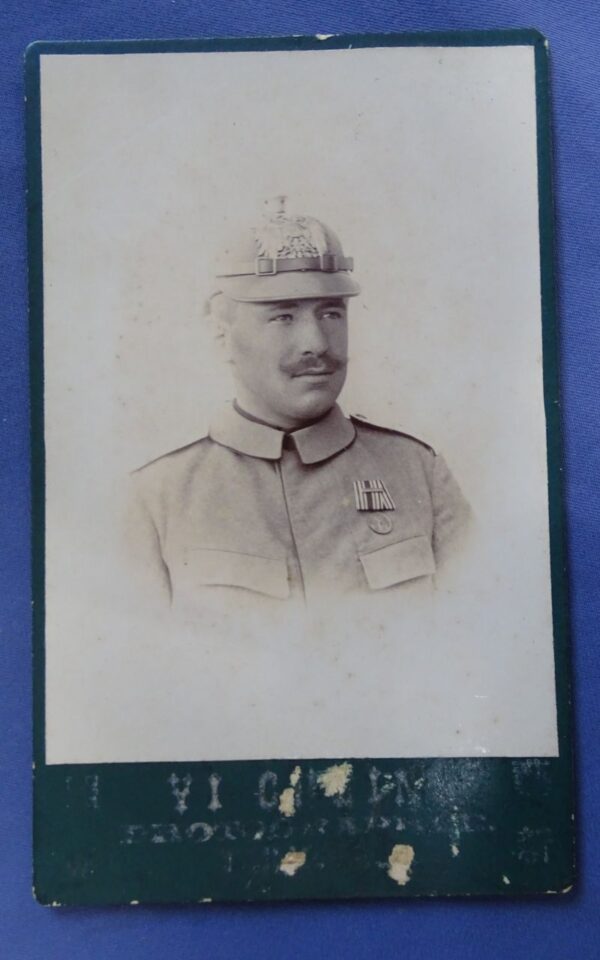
[(300, 614)]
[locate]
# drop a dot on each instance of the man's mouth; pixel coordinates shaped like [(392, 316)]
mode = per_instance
[(315, 372)]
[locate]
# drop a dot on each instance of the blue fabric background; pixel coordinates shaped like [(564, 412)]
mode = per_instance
[(560, 928)]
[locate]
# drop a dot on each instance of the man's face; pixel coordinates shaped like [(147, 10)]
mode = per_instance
[(289, 358)]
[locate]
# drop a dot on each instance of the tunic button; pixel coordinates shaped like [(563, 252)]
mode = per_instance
[(380, 523)]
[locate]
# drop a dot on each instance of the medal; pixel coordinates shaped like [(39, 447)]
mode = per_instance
[(372, 495)]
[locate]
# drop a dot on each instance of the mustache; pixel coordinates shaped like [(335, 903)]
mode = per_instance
[(325, 363)]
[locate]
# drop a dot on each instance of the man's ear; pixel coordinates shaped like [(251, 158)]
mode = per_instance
[(219, 310)]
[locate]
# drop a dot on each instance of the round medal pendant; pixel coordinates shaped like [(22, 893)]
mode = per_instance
[(380, 523)]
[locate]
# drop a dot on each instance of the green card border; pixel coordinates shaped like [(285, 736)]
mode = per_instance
[(522, 838)]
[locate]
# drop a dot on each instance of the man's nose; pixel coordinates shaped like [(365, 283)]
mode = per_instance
[(310, 335)]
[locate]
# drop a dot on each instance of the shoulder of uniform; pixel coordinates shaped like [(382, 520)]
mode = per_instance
[(179, 455), (361, 421)]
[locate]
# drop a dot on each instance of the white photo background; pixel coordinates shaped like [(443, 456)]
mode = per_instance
[(423, 160)]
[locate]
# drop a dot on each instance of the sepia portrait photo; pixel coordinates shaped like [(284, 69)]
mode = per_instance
[(296, 489)]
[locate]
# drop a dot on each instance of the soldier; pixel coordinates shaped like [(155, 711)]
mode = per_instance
[(286, 496)]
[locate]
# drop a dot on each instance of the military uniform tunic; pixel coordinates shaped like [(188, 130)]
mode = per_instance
[(250, 508)]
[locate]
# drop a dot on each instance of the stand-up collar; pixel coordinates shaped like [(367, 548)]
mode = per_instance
[(314, 443)]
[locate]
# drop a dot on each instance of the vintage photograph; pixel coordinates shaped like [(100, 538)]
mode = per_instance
[(286, 496), (296, 489)]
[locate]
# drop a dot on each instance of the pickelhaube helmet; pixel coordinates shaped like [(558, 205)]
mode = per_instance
[(286, 257)]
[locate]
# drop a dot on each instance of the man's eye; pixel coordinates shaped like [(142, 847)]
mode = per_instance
[(332, 314), (282, 318)]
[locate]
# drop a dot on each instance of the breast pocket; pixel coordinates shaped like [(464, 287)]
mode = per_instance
[(224, 568), (398, 562)]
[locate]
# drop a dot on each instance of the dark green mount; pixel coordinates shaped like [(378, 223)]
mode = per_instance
[(155, 832)]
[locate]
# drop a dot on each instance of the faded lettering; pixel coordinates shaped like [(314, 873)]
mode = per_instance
[(267, 790), (214, 782), (180, 789)]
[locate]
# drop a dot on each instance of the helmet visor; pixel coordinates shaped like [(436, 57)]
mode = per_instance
[(292, 285)]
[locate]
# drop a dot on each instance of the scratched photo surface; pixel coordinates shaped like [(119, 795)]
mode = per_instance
[(296, 477)]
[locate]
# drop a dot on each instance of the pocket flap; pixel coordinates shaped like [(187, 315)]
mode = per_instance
[(225, 568), (398, 562)]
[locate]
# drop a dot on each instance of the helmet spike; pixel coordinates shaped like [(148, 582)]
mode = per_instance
[(276, 205)]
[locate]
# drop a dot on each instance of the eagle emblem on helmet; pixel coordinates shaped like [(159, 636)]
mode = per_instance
[(282, 237)]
